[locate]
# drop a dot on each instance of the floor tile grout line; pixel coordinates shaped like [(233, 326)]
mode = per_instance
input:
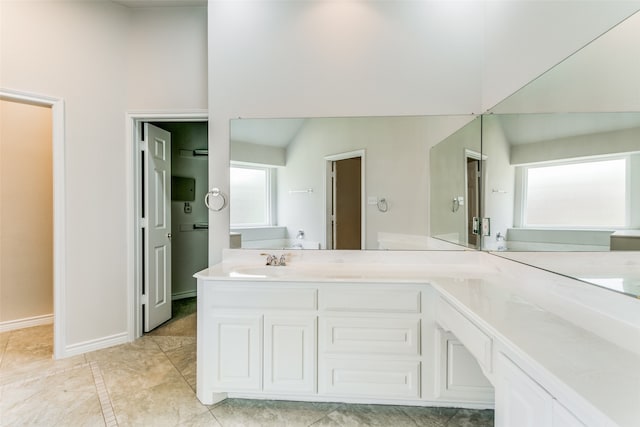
[(23, 381), (334, 409), (106, 405)]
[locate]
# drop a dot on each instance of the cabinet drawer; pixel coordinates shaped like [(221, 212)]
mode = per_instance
[(250, 297), (476, 341), (367, 300), (371, 335), (373, 378)]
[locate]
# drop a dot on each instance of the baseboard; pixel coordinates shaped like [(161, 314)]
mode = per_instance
[(96, 344), (27, 322), (184, 294)]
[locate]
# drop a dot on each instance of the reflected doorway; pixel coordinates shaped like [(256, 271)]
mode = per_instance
[(472, 180), (345, 222)]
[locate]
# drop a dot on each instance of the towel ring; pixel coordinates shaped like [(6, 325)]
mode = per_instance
[(383, 206), (455, 205), (214, 200)]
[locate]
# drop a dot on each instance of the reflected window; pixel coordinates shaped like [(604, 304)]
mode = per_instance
[(251, 195), (586, 194)]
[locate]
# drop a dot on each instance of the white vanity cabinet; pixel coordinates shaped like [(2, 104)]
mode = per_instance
[(521, 401), (370, 341), (255, 338), (238, 360), (290, 353)]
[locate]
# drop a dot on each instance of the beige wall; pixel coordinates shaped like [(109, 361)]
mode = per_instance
[(26, 212), (102, 59)]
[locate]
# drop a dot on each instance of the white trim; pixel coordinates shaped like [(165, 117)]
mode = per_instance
[(27, 322), (134, 120), (59, 213), (363, 208), (97, 344), (183, 295)]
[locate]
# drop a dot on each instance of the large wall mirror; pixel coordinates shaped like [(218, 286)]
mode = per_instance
[(337, 183), (562, 166), (420, 183)]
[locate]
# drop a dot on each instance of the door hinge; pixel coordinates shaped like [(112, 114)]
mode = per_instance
[(144, 299), (144, 146), (144, 223)]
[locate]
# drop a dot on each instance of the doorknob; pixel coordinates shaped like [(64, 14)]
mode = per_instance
[(169, 236)]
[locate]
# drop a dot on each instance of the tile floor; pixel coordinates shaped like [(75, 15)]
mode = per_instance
[(151, 382)]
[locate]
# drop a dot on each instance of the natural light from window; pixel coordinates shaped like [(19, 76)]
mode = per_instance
[(589, 194), (250, 196)]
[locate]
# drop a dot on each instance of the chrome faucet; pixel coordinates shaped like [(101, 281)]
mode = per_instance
[(273, 260)]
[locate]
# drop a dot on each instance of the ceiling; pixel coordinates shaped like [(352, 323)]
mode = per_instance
[(529, 128), (273, 132)]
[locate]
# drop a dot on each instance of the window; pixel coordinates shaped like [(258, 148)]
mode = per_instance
[(587, 194), (251, 195)]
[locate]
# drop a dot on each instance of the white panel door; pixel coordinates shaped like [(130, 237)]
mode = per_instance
[(290, 354), (157, 191)]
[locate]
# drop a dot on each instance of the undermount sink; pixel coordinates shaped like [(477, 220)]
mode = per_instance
[(297, 271)]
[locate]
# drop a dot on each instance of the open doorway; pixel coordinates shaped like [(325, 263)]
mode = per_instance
[(32, 243), (473, 177), (171, 238), (345, 201)]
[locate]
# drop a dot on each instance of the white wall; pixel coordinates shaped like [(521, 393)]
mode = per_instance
[(499, 181), (103, 59), (167, 59), (602, 77), (76, 51), (523, 39), (328, 59), (26, 212)]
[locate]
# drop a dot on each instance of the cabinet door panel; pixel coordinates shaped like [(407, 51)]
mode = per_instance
[(460, 377), (290, 354), (237, 358), (563, 418), (520, 401)]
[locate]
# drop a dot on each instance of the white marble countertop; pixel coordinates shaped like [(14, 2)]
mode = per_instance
[(589, 353), (581, 364)]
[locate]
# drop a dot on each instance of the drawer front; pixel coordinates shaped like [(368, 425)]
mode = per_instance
[(372, 378), (364, 300), (245, 297), (476, 341), (371, 335)]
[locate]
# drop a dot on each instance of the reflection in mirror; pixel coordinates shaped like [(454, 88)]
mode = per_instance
[(562, 182), (336, 183), (455, 181), (602, 77)]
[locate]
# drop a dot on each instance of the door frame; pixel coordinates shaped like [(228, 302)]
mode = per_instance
[(134, 124), (59, 211), (474, 155), (328, 188)]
